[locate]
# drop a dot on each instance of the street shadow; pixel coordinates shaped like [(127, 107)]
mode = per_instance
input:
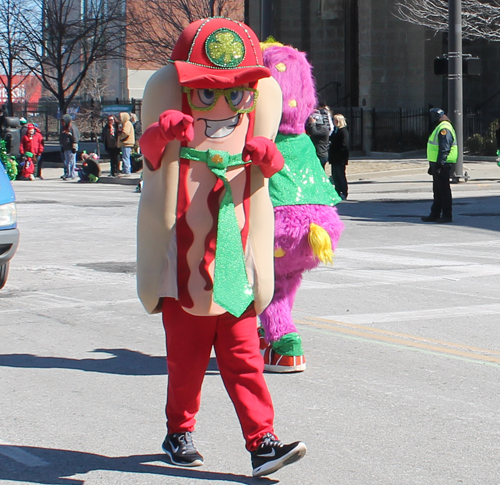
[(52, 467), (123, 362), (475, 212)]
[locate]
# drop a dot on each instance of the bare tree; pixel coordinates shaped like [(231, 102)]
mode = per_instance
[(95, 87), (65, 38), (155, 25), (480, 19), (12, 48)]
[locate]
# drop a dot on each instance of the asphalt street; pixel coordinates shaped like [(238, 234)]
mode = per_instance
[(401, 335)]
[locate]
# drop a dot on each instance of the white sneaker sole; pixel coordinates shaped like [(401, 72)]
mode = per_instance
[(284, 368), (272, 466), (172, 461)]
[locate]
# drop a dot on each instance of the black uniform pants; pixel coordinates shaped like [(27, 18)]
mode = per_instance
[(441, 207)]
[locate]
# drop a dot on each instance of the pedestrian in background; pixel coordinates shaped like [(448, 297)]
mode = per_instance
[(33, 143), (3, 115), (137, 127), (24, 126), (69, 139), (338, 154), (497, 137), (126, 141), (110, 139), (136, 159), (442, 153), (319, 128)]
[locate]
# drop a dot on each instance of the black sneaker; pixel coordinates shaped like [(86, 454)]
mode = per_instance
[(444, 220), (272, 454), (180, 450)]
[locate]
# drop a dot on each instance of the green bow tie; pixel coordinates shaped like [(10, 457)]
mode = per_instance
[(232, 291)]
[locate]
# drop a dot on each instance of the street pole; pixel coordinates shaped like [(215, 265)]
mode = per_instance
[(455, 85)]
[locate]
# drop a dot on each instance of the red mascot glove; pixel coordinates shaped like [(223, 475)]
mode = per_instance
[(172, 125), (264, 152)]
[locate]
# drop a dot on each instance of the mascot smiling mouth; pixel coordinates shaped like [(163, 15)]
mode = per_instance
[(221, 128)]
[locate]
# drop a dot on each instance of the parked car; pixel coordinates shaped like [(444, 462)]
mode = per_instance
[(9, 233)]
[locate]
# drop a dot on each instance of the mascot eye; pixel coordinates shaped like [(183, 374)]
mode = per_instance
[(236, 97), (206, 96)]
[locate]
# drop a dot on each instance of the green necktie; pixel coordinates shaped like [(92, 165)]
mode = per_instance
[(232, 291)]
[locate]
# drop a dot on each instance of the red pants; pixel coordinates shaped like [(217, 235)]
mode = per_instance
[(189, 343)]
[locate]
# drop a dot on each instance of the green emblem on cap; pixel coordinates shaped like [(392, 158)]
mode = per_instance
[(225, 48)]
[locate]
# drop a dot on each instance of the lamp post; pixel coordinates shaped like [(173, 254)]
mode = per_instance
[(455, 84)]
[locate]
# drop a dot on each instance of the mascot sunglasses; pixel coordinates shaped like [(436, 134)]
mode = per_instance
[(240, 99)]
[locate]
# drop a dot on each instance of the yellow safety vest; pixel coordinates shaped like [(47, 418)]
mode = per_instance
[(433, 144)]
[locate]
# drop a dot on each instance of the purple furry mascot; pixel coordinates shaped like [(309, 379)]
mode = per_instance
[(307, 226)]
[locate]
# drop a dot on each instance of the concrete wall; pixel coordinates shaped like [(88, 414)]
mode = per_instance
[(386, 64), (300, 23), (392, 58)]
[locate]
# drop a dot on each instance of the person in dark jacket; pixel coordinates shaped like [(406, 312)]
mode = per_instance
[(319, 129), (69, 139), (109, 138), (442, 153), (497, 137), (338, 154), (24, 126), (3, 115), (137, 127)]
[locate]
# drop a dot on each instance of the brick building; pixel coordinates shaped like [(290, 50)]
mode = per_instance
[(129, 76)]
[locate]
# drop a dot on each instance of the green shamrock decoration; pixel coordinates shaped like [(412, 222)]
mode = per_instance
[(225, 48)]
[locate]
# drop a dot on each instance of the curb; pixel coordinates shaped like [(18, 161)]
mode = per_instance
[(119, 180)]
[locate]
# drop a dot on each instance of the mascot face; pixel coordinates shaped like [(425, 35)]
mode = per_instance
[(219, 62), (221, 116)]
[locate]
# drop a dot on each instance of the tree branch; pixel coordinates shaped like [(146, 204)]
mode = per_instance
[(480, 19)]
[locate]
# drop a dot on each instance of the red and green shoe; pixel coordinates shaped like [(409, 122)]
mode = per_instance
[(284, 355)]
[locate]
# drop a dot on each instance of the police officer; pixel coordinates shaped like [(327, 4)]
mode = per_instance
[(442, 153)]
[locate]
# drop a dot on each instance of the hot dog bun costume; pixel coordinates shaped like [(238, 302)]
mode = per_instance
[(179, 196), (307, 225), (206, 223)]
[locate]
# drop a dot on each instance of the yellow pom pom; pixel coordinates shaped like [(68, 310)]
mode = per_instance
[(321, 244), (292, 103), (281, 67), (279, 253)]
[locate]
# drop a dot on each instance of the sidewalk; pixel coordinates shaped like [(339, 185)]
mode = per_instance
[(357, 169), (55, 173)]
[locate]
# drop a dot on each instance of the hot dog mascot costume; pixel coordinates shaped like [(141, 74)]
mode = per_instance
[(205, 229)]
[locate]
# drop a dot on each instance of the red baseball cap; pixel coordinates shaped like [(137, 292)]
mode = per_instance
[(218, 53), (30, 126)]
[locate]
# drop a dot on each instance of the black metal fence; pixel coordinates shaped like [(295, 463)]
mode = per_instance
[(479, 134), (400, 130), (406, 130), (397, 131), (89, 116)]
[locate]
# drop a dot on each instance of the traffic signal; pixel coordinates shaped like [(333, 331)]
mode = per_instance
[(441, 66), (471, 66)]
